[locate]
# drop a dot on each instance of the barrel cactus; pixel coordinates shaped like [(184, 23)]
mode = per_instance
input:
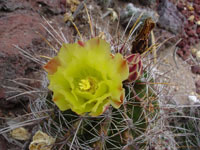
[(98, 97), (86, 78)]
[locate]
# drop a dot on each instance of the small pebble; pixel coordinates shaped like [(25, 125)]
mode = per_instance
[(193, 99), (198, 22), (198, 55), (191, 18), (176, 88), (190, 7), (194, 51)]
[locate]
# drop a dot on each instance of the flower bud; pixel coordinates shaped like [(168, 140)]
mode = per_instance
[(135, 66)]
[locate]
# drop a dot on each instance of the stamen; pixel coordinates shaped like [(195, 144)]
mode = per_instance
[(84, 84)]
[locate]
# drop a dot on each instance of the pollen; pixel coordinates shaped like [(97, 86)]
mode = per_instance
[(84, 84)]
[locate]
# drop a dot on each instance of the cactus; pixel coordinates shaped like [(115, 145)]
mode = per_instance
[(131, 13), (126, 126), (117, 128), (122, 128)]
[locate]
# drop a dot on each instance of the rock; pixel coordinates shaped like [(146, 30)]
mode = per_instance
[(193, 99), (51, 7), (197, 18), (105, 3), (198, 31), (165, 35), (180, 6), (197, 8), (13, 26), (11, 5), (197, 84), (190, 7), (18, 29), (182, 43), (198, 22), (3, 143), (192, 41), (196, 1), (184, 52), (195, 69), (186, 13), (198, 55), (187, 26), (170, 18), (147, 2), (3, 103), (194, 51), (130, 10), (190, 33), (191, 18)]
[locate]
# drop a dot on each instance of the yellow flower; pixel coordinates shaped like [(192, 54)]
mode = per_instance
[(86, 77)]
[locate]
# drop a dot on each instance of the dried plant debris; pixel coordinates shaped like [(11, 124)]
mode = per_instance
[(41, 141), (73, 4), (20, 134)]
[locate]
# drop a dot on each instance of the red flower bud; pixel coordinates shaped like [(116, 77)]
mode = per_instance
[(135, 66)]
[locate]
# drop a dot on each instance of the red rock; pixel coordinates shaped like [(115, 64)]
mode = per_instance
[(180, 53), (63, 5), (196, 17), (187, 26), (183, 36), (52, 6), (197, 1), (198, 90), (180, 6), (190, 33), (192, 41), (197, 84), (197, 8), (19, 29), (195, 69), (182, 43), (3, 143), (190, 23), (196, 39), (2, 93), (198, 30), (186, 13), (184, 52)]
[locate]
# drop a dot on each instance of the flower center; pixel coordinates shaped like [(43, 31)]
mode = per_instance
[(84, 84)]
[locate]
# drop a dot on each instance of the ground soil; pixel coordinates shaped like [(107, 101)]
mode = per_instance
[(179, 76)]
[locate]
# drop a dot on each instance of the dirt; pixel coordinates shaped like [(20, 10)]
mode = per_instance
[(178, 75)]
